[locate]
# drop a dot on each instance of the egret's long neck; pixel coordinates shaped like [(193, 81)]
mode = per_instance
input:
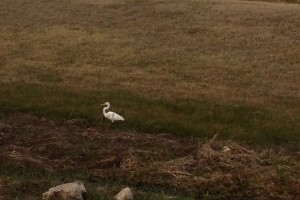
[(105, 109)]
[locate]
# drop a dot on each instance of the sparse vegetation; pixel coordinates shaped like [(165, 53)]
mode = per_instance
[(155, 165), (189, 68)]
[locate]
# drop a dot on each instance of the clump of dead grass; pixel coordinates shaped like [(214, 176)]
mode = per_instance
[(236, 173)]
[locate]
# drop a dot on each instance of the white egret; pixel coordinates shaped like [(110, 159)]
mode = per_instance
[(112, 116)]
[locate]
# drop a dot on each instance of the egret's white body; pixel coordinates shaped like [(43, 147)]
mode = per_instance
[(112, 116)]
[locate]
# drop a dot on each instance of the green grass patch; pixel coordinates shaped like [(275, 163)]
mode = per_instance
[(181, 117)]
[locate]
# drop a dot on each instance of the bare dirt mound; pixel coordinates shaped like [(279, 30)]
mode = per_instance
[(185, 165)]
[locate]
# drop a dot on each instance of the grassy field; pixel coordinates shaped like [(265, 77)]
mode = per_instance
[(188, 68)]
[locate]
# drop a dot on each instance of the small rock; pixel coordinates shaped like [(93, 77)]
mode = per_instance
[(124, 194), (226, 148), (68, 191)]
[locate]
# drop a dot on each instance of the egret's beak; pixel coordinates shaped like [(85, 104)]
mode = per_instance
[(102, 104)]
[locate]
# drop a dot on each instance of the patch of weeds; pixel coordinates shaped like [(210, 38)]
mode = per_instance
[(281, 174), (157, 196)]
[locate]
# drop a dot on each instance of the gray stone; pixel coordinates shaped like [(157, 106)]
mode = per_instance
[(124, 194), (67, 191)]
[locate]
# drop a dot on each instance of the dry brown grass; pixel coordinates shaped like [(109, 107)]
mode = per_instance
[(279, 1), (227, 51)]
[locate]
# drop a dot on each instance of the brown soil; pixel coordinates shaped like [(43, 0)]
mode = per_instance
[(165, 161)]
